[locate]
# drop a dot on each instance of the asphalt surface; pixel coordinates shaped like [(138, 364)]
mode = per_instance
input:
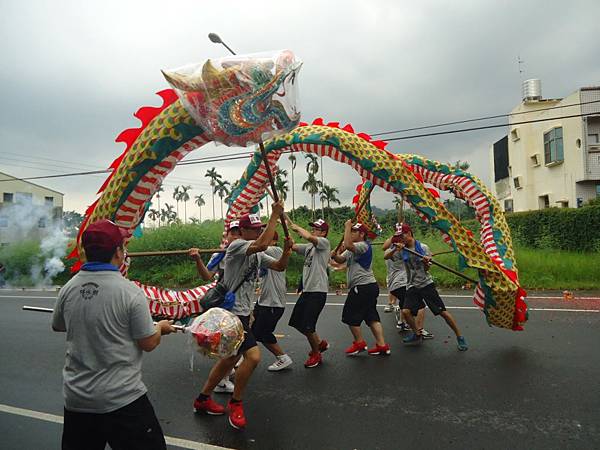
[(534, 389)]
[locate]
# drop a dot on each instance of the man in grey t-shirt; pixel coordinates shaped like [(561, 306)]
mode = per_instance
[(363, 291), (241, 264), (315, 281), (108, 325), (270, 307), (421, 288)]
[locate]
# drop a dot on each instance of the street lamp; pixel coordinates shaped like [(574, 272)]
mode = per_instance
[(214, 37)]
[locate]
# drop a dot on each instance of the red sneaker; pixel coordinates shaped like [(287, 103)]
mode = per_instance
[(209, 406), (323, 346), (236, 415), (314, 359), (380, 350), (356, 348)]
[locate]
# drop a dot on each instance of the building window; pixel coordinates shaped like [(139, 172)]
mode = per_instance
[(598, 190), (517, 182), (508, 205), (8, 197), (3, 222), (553, 146), (49, 201), (593, 139), (544, 201), (514, 134), (25, 198), (535, 160)]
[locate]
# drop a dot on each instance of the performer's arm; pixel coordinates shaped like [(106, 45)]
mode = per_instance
[(338, 255), (265, 238), (203, 272), (281, 264), (347, 238), (387, 244), (304, 234), (149, 343)]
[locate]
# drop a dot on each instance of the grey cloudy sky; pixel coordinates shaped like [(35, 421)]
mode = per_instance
[(74, 72)]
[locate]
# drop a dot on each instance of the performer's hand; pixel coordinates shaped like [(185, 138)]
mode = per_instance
[(166, 327), (348, 223), (277, 208), (288, 244), (194, 253), (427, 261)]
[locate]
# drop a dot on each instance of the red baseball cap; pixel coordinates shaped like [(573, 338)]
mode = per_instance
[(360, 227), (320, 225), (250, 221), (402, 228), (233, 224), (103, 235)]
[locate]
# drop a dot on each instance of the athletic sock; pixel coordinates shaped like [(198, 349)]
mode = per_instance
[(202, 397)]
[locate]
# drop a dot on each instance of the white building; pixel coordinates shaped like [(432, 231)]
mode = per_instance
[(26, 209), (550, 161)]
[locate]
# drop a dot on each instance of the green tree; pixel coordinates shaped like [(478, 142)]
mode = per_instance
[(221, 190), (329, 195), (214, 177), (185, 197), (153, 214), (157, 194), (292, 159), (312, 186), (177, 197), (199, 201), (281, 183), (399, 203)]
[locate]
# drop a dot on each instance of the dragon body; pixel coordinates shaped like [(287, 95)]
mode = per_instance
[(169, 132)]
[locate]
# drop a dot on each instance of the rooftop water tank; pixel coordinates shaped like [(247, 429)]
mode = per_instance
[(532, 90)]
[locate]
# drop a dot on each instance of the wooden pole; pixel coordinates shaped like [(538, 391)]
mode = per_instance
[(358, 210), (50, 310), (443, 266), (175, 252), (272, 183)]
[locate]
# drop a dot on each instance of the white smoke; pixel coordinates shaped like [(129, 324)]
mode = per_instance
[(30, 222)]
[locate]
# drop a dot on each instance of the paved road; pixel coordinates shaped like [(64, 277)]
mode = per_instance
[(535, 389)]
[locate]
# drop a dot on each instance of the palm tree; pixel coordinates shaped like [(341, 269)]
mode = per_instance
[(185, 198), (214, 176), (221, 190), (177, 197), (195, 220), (153, 214), (168, 214), (312, 166), (199, 201), (328, 194), (281, 183), (158, 191), (399, 203), (312, 186), (462, 165), (292, 159)]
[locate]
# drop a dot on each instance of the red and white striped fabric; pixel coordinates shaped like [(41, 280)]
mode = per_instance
[(174, 304)]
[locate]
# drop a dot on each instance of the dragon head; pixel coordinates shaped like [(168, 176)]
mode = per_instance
[(240, 100)]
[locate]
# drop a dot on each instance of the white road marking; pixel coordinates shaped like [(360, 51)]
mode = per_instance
[(177, 442), (479, 309), (381, 305)]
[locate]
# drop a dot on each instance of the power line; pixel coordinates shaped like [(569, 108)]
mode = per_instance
[(498, 116), (245, 155), (486, 127)]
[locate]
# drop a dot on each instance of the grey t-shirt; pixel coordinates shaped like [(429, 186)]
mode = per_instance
[(272, 291), (237, 266), (316, 260), (104, 315), (397, 276), (417, 276), (357, 275)]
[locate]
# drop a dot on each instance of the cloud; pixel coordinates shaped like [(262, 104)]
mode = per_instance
[(74, 72)]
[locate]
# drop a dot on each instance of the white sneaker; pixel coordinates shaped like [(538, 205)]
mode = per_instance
[(426, 334), (280, 363), (388, 308), (224, 387)]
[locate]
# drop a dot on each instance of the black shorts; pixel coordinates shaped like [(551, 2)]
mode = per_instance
[(265, 321), (133, 426), (417, 298), (249, 339), (361, 305), (306, 311), (400, 294)]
